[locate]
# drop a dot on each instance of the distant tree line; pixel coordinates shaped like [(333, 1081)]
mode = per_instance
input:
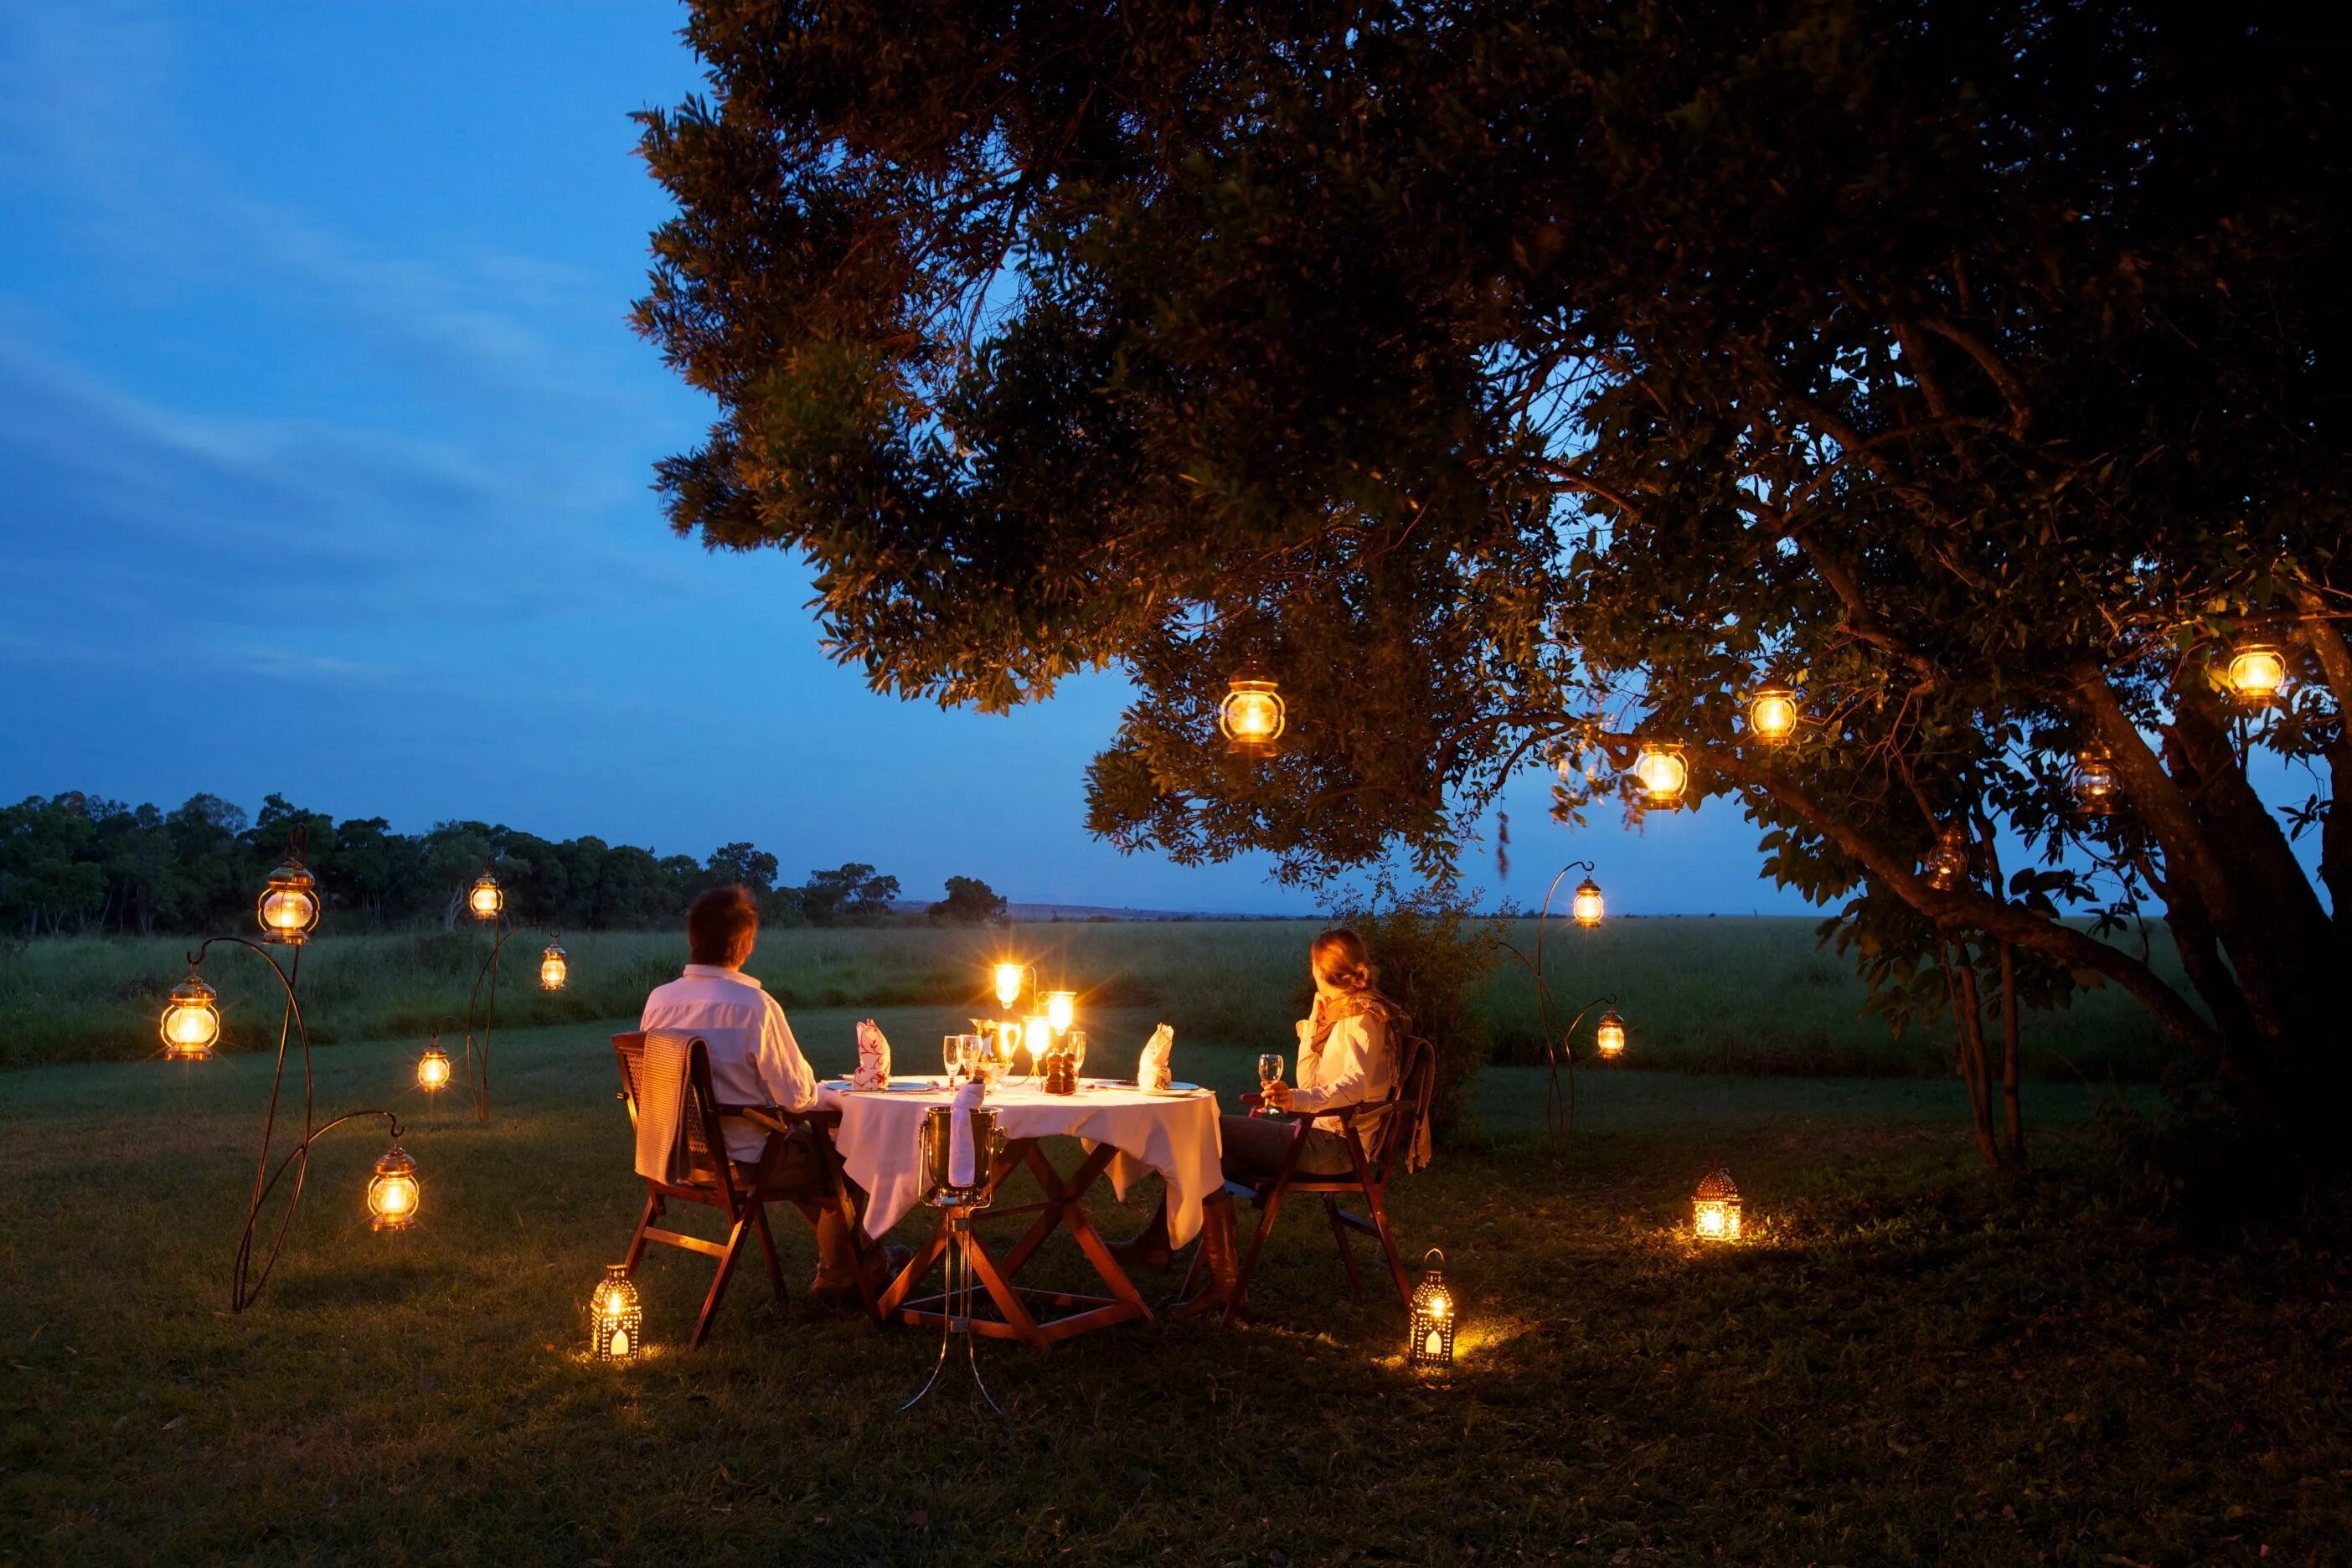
[(76, 864)]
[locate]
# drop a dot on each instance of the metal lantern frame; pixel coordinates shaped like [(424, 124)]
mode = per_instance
[(554, 967), (1946, 865), (616, 1316), (393, 1193), (1609, 1035), (1429, 1342), (485, 901), (1250, 691), (2246, 658), (1714, 1206), (1587, 907), (2096, 786), (1787, 708), (1660, 759), (291, 880), (1559, 1050), (192, 996), (432, 1055)]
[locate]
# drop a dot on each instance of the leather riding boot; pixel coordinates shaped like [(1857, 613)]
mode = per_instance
[(1220, 1252), (1148, 1248)]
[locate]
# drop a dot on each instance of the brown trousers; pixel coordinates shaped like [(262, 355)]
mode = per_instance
[(1256, 1145)]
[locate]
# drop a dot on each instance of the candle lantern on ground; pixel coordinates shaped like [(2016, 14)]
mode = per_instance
[(1609, 1035), (2256, 673), (1948, 863), (1714, 1207), (1772, 714), (1587, 908), (1062, 1009), (1252, 718), (288, 907), (485, 901), (1431, 1344), (392, 1192), (552, 968), (616, 1316), (433, 1069), (1008, 983), (191, 1020), (1664, 774), (2094, 782)]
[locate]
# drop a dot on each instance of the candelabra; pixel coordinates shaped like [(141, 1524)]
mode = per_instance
[(1560, 1049)]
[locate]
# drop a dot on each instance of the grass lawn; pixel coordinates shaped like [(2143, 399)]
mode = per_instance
[(1906, 1364)]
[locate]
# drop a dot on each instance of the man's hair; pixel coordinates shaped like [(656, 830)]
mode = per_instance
[(720, 924)]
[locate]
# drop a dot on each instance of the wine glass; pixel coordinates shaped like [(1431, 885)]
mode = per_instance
[(1074, 1045), (1269, 1073), (952, 1051)]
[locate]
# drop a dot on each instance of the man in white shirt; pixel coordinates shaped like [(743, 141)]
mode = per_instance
[(754, 1060)]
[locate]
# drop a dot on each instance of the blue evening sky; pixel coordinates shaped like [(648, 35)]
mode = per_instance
[(327, 447)]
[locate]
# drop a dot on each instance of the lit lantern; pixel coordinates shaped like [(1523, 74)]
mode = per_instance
[(486, 900), (1608, 1036), (552, 968), (1037, 1038), (392, 1192), (1431, 1343), (2096, 784), (1251, 717), (1008, 983), (1062, 1009), (289, 909), (1663, 775), (1715, 1208), (1948, 863), (1772, 714), (1587, 908), (615, 1317), (433, 1069), (2256, 672), (191, 1020)]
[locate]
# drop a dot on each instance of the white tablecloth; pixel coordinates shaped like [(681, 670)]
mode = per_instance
[(1176, 1135)]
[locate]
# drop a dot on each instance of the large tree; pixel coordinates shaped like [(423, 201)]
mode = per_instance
[(1516, 382)]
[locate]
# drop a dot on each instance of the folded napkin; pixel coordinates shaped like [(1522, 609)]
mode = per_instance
[(873, 1057), (962, 1165), (1152, 1070)]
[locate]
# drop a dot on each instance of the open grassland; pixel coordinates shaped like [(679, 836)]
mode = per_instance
[(1744, 995), (1909, 1363)]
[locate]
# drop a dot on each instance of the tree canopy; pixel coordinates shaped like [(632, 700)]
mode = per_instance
[(1518, 381)]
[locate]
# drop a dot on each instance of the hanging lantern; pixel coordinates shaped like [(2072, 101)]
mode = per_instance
[(1587, 909), (553, 969), (1772, 714), (1948, 863), (2256, 673), (1062, 1009), (615, 1317), (289, 908), (2096, 788), (433, 1069), (191, 1020), (1715, 1208), (392, 1192), (1431, 1343), (1609, 1035), (1008, 983), (1252, 718), (485, 901), (1663, 775)]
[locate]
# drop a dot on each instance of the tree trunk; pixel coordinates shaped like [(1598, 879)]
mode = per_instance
[(1967, 1028)]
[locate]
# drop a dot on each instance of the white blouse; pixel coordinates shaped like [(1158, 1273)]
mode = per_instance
[(1355, 1066)]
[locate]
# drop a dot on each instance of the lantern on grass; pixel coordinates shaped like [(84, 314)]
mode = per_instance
[(1062, 1009), (433, 1069), (191, 1020), (1609, 1035), (552, 968), (288, 907), (1664, 774), (1251, 717), (1587, 909), (1948, 863), (615, 1317), (1714, 1207), (2256, 673), (2094, 782), (1772, 714), (392, 1192), (1008, 983), (486, 900), (1431, 1344)]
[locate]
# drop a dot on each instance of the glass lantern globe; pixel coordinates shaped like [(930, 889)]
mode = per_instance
[(2096, 788), (1714, 1207), (1431, 1344), (289, 906), (485, 901), (392, 1192), (2256, 673), (1062, 1009), (1252, 718), (433, 1069), (1008, 983), (1948, 863), (1587, 907), (616, 1316), (191, 1021), (1772, 714), (1609, 1035), (1664, 774), (554, 969)]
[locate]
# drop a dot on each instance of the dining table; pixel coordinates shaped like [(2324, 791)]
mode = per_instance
[(1122, 1130)]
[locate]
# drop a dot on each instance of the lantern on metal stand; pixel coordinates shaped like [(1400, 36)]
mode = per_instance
[(1609, 1035), (1432, 1341), (289, 906), (1714, 1207), (191, 1020), (392, 1192), (552, 968), (433, 1067), (616, 1316), (1252, 718), (1587, 907)]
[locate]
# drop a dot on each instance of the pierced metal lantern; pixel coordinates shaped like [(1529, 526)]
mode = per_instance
[(1948, 863), (2096, 788), (433, 1069), (1772, 714), (191, 1020), (616, 1316), (392, 1192), (1252, 718), (1062, 1009), (1431, 1344), (1587, 909), (1609, 1035), (485, 901), (1714, 1207), (1009, 977), (553, 969), (1664, 774), (289, 906), (2256, 673)]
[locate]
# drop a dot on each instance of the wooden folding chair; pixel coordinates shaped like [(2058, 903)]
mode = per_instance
[(741, 1192), (1407, 1104)]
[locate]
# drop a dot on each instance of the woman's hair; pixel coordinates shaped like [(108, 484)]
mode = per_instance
[(720, 924), (1341, 961)]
